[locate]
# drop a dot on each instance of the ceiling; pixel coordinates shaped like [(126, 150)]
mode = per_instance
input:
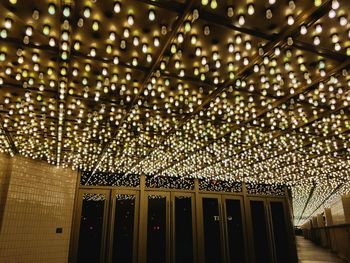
[(244, 90)]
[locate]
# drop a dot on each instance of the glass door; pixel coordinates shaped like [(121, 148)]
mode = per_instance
[(213, 249), (183, 225), (158, 227), (234, 221), (91, 226), (260, 228), (282, 246), (123, 226)]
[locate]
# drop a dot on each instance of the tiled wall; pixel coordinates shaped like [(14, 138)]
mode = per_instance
[(5, 171), (338, 212), (346, 207), (40, 199)]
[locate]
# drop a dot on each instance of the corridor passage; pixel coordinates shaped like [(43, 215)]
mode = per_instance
[(308, 252)]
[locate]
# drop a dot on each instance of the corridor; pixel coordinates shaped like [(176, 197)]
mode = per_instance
[(308, 252)]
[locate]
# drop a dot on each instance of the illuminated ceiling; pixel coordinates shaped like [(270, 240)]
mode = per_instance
[(246, 90)]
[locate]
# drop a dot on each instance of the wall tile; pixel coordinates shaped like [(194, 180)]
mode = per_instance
[(40, 198)]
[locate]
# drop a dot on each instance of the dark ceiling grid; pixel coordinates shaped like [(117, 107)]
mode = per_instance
[(7, 134), (299, 90), (225, 22), (307, 17), (281, 133), (154, 67)]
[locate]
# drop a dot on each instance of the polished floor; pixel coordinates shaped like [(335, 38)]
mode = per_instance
[(308, 252)]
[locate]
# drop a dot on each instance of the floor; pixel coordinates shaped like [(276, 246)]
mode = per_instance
[(308, 252)]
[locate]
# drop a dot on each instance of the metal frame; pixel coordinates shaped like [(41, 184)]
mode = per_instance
[(111, 225), (141, 212), (201, 224), (244, 224), (76, 229), (173, 195), (145, 217)]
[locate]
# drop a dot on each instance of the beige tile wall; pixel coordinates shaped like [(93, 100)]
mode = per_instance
[(337, 210), (5, 171), (40, 198), (346, 207)]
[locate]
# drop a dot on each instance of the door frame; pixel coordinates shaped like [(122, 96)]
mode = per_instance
[(77, 221), (167, 223), (268, 227), (244, 224), (172, 224), (200, 221), (283, 202), (111, 225)]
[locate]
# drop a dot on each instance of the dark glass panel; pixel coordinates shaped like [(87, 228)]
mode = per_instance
[(91, 225), (260, 234), (183, 230), (280, 232), (123, 237), (211, 220), (156, 229), (235, 231)]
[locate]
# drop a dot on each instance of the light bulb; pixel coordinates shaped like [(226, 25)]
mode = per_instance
[(151, 15), (251, 9), (117, 7), (130, 20), (87, 12)]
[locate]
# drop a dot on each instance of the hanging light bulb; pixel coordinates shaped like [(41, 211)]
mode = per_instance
[(8, 23), (332, 14), (230, 11), (117, 7), (66, 11), (52, 42), (213, 4), (343, 21), (303, 30), (241, 20), (29, 31), (318, 28), (317, 40), (268, 14), (130, 20), (251, 9), (46, 30), (193, 39), (290, 20), (335, 4), (95, 25), (87, 12), (151, 15), (205, 2)]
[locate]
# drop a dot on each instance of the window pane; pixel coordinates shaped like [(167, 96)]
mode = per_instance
[(124, 228), (235, 231), (280, 232), (91, 222), (156, 229), (261, 247), (212, 244), (183, 230)]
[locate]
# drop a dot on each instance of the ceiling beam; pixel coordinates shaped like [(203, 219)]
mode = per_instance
[(307, 201), (155, 64)]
